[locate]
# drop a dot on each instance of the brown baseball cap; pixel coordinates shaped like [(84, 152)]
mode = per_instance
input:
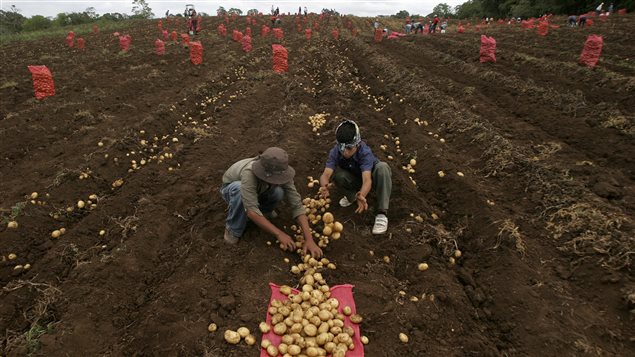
[(272, 166)]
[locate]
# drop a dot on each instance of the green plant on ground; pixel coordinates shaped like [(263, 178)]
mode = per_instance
[(13, 213), (32, 336)]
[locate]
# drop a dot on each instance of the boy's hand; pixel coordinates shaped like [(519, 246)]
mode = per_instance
[(312, 248), (324, 191), (286, 243), (362, 204)]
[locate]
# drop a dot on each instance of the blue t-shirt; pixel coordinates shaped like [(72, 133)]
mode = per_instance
[(362, 160)]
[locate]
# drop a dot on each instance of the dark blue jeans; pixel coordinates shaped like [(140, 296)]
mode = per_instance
[(236, 220)]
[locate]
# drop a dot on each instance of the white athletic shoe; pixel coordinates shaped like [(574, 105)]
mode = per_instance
[(381, 224), (344, 202)]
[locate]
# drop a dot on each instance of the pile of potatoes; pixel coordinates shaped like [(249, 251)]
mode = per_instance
[(421, 122), (324, 225), (317, 121), (309, 322), (309, 263)]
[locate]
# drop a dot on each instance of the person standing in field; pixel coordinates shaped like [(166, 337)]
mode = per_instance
[(435, 22), (356, 171), (253, 187)]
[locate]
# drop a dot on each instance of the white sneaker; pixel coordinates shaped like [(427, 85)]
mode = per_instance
[(344, 202), (381, 224)]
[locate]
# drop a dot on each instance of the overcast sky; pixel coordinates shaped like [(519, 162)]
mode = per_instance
[(159, 7)]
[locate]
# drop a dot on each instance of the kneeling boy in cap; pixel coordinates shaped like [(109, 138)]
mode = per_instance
[(356, 170), (253, 187)]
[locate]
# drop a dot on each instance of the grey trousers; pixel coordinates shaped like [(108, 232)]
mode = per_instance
[(382, 184)]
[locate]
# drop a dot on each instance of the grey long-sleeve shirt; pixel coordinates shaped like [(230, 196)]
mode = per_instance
[(251, 187)]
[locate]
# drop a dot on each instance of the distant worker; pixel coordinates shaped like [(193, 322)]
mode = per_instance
[(306, 12), (611, 8), (408, 27), (417, 26), (573, 21), (444, 25), (582, 21), (192, 21), (435, 23)]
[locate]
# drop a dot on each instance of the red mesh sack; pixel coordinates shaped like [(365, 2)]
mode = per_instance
[(278, 33), (166, 35), (70, 39), (589, 22), (253, 22), (95, 29), (461, 29), (336, 34), (527, 24), (280, 57), (222, 31), (80, 43), (196, 53), (43, 84), (621, 11), (185, 38), (159, 47), (488, 49), (265, 31), (124, 42), (543, 28), (174, 36), (592, 50), (160, 25), (239, 36), (378, 35), (343, 294), (246, 42), (307, 33), (248, 31)]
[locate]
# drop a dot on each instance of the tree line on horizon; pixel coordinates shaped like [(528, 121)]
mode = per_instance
[(518, 8)]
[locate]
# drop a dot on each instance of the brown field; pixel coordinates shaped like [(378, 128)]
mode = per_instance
[(543, 215)]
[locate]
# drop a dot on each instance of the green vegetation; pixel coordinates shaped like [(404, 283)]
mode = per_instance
[(518, 8), (14, 212), (15, 26), (80, 30), (32, 336)]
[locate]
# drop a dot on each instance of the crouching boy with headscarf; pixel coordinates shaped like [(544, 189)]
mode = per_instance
[(356, 171)]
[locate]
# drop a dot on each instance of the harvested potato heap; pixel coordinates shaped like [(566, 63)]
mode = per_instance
[(324, 227), (317, 121), (309, 322)]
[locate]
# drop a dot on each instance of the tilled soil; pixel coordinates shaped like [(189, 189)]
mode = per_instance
[(542, 213)]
